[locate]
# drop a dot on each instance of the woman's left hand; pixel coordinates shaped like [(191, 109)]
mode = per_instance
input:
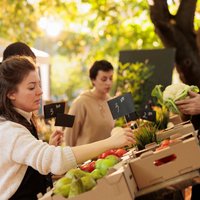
[(190, 106), (56, 138)]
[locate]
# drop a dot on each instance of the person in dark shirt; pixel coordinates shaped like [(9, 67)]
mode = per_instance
[(191, 107)]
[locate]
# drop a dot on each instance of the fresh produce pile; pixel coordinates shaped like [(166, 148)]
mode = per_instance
[(118, 153), (171, 94), (84, 178)]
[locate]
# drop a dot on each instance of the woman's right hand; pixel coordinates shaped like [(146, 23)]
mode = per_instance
[(121, 137)]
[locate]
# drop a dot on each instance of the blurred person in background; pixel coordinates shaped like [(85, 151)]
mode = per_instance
[(18, 48), (25, 160), (93, 119), (191, 107)]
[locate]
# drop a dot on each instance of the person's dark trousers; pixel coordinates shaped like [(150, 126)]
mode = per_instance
[(195, 192)]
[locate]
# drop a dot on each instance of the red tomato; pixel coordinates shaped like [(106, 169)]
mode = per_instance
[(107, 153), (165, 143), (89, 167), (92, 166), (120, 152), (84, 167)]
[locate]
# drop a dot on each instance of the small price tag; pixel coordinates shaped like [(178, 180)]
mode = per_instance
[(64, 120), (121, 105), (148, 114), (131, 117), (51, 110)]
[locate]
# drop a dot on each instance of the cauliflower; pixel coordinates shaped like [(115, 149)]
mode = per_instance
[(171, 94), (175, 91)]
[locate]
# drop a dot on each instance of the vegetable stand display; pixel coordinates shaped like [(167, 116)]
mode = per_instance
[(151, 174), (148, 173)]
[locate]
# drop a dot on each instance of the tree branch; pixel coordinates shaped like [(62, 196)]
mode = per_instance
[(185, 15), (163, 21), (159, 11), (177, 32)]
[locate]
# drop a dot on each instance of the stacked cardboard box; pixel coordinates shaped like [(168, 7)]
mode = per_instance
[(175, 119), (154, 167), (177, 131)]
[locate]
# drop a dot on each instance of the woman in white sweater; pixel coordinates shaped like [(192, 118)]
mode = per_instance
[(25, 161)]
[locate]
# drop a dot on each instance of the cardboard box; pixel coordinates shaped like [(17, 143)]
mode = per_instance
[(158, 166), (178, 183), (178, 130), (119, 185), (175, 119)]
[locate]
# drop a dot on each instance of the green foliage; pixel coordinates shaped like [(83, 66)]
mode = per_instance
[(132, 77), (91, 30), (105, 27), (18, 21), (73, 77), (100, 26)]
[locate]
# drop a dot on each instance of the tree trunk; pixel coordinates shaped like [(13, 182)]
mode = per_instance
[(177, 31)]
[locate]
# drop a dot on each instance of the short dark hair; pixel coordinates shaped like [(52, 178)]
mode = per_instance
[(18, 48), (98, 65)]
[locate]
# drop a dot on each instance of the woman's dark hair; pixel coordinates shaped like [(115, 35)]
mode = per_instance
[(13, 70), (18, 48), (98, 65)]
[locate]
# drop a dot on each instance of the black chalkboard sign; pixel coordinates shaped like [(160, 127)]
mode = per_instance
[(121, 105), (132, 116), (51, 110), (148, 114), (64, 120), (162, 60)]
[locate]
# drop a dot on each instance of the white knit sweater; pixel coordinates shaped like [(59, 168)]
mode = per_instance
[(19, 149)]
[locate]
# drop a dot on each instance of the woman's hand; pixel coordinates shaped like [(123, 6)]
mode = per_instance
[(190, 106), (121, 137), (56, 138)]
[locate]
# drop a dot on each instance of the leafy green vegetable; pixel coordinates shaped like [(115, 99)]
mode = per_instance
[(157, 92), (171, 94)]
